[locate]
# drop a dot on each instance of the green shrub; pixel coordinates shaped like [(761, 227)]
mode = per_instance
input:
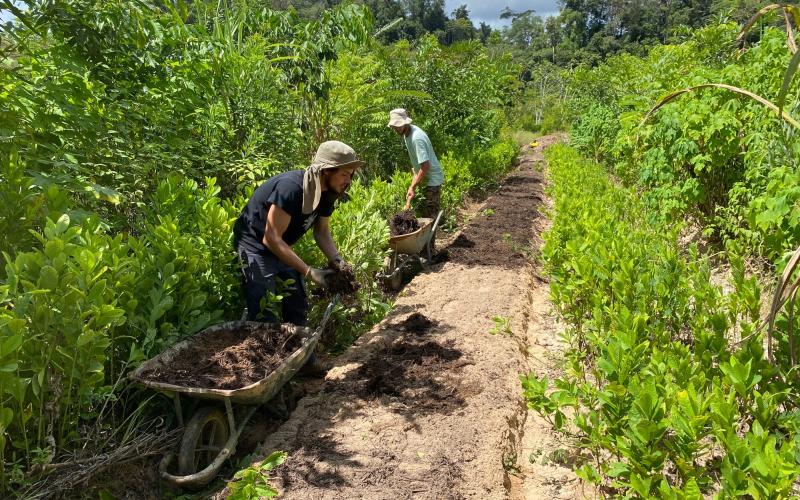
[(655, 389)]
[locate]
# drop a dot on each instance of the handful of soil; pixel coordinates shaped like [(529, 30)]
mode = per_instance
[(403, 223), (343, 281), (229, 359)]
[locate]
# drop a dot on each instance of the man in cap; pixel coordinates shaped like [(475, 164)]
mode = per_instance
[(425, 165), (280, 211)]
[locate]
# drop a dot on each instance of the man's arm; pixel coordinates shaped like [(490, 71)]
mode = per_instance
[(322, 235), (417, 179), (277, 222)]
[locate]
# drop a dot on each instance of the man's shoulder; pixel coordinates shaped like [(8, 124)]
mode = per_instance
[(419, 135), (284, 180)]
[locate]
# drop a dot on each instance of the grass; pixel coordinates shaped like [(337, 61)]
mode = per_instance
[(524, 137)]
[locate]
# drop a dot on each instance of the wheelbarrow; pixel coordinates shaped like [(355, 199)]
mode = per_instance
[(210, 436), (410, 244)]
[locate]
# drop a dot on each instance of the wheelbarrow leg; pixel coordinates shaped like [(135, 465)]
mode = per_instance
[(433, 234), (176, 399), (229, 411)]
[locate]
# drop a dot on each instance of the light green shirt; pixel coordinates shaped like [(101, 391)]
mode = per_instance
[(420, 150)]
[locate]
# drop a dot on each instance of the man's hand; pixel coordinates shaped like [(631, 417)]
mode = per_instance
[(337, 263), (319, 276), (409, 197)]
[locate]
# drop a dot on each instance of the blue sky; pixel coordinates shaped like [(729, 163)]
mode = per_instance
[(479, 10), (488, 11)]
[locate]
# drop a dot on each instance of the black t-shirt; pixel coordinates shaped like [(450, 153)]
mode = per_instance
[(286, 191)]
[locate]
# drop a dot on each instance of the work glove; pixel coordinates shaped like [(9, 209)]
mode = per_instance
[(319, 276), (337, 263)]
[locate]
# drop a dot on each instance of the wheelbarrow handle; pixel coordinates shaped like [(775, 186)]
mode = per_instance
[(436, 222), (328, 311)]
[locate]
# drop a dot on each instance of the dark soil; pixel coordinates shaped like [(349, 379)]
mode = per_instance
[(229, 359), (403, 223), (343, 282), (417, 323), (441, 256), (462, 242), (421, 374), (504, 238)]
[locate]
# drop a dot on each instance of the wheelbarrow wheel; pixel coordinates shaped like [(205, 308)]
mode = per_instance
[(204, 438)]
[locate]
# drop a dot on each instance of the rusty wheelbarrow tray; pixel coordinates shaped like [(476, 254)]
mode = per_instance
[(210, 436), (409, 244), (413, 243)]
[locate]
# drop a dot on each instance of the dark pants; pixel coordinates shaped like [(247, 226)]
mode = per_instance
[(430, 208), (260, 275)]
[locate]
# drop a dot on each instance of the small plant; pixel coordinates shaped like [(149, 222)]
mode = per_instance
[(501, 325), (253, 482), (523, 250), (510, 463), (487, 212), (271, 301)]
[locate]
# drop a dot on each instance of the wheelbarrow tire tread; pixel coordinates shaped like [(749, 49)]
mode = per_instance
[(193, 434)]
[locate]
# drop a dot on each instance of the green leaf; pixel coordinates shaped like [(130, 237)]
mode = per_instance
[(275, 459), (10, 345), (62, 224), (617, 469), (48, 278), (9, 367), (6, 416), (53, 247), (787, 79)]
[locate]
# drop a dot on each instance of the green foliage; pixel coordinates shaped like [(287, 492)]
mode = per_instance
[(713, 154), (253, 481), (655, 377), (133, 133), (501, 325), (90, 306)]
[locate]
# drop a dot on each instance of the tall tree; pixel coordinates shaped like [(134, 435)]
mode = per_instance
[(485, 32)]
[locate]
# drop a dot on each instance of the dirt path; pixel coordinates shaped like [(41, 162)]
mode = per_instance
[(428, 404)]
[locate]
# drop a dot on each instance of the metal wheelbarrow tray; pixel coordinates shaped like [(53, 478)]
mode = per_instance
[(210, 436), (413, 243), (409, 244)]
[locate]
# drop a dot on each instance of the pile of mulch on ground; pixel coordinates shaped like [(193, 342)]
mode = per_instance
[(462, 242), (422, 375), (441, 256), (403, 223), (417, 323), (228, 359)]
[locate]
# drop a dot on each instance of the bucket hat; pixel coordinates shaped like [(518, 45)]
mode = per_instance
[(330, 154), (398, 117)]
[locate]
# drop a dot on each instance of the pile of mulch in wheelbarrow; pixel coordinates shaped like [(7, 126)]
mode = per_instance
[(403, 223), (229, 359)]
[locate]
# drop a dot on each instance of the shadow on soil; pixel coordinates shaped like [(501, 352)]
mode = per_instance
[(411, 374)]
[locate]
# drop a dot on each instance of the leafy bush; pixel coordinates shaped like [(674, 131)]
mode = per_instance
[(595, 130), (132, 137), (666, 385), (714, 154)]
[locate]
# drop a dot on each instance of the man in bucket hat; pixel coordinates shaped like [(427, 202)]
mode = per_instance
[(424, 163), (282, 210)]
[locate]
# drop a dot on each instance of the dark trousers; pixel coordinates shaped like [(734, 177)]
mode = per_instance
[(260, 275), (431, 206)]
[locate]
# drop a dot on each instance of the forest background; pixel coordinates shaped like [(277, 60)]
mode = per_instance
[(132, 132)]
